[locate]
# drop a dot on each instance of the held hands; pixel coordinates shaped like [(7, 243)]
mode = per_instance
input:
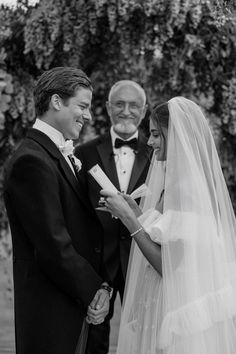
[(98, 308)]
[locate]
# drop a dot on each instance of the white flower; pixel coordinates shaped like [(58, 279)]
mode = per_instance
[(67, 148), (77, 164)]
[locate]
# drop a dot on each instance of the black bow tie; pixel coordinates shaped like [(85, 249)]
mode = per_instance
[(133, 143)]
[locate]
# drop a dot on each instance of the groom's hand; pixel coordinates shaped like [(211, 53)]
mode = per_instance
[(99, 307)]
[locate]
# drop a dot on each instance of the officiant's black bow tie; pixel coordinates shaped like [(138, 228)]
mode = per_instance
[(133, 143)]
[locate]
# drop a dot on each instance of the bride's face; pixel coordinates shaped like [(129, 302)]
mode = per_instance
[(158, 140)]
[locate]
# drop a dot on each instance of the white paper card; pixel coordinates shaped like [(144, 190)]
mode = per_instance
[(140, 192), (104, 182), (102, 179)]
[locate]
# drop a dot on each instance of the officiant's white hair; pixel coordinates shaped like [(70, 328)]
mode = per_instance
[(121, 83)]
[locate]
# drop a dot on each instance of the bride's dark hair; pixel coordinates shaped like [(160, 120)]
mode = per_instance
[(160, 115), (160, 118)]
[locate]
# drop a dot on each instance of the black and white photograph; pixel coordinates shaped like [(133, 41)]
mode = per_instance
[(117, 177)]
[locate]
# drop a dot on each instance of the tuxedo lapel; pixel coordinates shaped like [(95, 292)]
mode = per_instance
[(65, 169), (71, 177), (142, 158), (105, 152)]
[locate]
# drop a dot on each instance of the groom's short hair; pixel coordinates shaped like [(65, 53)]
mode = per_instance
[(63, 81)]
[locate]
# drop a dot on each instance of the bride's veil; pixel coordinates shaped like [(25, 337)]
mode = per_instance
[(197, 232)]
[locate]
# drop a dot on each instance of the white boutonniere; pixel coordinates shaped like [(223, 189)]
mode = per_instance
[(67, 148), (77, 164)]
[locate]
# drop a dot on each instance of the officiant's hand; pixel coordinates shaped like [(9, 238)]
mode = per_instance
[(98, 308)]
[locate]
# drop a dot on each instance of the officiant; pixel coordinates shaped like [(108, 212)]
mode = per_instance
[(124, 156)]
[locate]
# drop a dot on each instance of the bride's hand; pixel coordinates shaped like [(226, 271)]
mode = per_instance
[(132, 203), (116, 204)]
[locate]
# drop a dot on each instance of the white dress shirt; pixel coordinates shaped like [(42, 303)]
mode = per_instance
[(124, 160), (54, 135)]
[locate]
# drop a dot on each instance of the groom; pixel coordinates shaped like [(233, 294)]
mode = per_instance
[(56, 235)]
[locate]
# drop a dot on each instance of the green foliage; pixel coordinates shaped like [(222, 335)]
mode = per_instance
[(174, 47), (6, 90)]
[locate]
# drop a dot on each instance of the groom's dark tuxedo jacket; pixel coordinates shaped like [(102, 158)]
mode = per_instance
[(117, 239), (57, 247)]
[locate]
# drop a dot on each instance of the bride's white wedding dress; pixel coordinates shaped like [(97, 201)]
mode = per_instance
[(139, 333), (193, 328), (191, 309)]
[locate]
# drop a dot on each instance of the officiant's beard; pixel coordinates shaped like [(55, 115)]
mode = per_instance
[(125, 127)]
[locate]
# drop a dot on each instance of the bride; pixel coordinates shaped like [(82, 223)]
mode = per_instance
[(180, 295)]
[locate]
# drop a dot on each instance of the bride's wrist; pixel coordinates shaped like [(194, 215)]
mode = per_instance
[(131, 222), (126, 214)]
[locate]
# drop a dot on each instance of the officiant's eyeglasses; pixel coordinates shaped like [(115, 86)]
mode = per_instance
[(121, 105)]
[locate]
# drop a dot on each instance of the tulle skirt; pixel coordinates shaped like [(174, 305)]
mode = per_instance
[(140, 334)]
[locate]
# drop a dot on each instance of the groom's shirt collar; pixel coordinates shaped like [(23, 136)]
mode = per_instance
[(51, 132), (57, 138)]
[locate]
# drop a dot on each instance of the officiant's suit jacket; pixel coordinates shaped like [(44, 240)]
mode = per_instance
[(57, 247), (117, 239)]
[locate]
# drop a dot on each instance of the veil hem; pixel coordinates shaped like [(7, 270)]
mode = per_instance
[(198, 316)]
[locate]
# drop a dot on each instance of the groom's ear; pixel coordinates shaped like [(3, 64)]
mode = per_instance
[(56, 102)]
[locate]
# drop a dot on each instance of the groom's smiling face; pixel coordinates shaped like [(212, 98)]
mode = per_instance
[(73, 113)]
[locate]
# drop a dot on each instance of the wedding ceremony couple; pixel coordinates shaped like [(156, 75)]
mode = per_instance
[(71, 240)]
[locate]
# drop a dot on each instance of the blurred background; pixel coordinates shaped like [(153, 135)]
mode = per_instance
[(170, 47)]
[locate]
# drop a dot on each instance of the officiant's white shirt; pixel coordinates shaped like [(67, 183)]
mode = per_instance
[(124, 159)]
